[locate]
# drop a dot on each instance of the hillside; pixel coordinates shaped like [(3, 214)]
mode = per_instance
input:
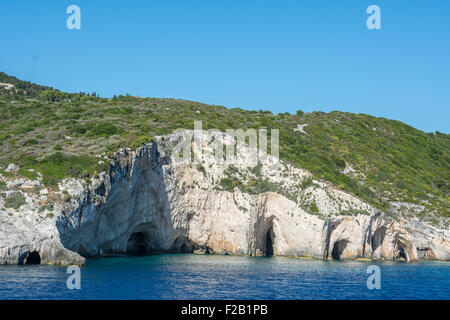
[(383, 162)]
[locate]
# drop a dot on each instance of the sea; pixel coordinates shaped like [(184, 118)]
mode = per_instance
[(205, 277)]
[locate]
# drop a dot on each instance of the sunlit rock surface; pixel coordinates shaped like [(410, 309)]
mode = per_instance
[(148, 203)]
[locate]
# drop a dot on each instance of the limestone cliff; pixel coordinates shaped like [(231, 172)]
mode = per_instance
[(149, 203)]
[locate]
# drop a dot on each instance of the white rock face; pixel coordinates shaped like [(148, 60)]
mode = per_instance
[(148, 203), (12, 168), (24, 233)]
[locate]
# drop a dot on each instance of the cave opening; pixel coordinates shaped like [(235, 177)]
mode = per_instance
[(33, 258), (401, 253), (269, 243), (338, 249), (378, 238), (137, 244), (182, 245)]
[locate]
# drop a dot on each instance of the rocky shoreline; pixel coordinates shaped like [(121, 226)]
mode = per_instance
[(148, 203)]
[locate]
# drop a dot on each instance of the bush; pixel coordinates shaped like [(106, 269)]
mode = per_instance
[(313, 208), (49, 207), (201, 169), (27, 173), (77, 128), (104, 129), (53, 95), (140, 141), (259, 185), (31, 142), (15, 201), (227, 184), (58, 166), (256, 170)]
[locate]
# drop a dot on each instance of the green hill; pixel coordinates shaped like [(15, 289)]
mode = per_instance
[(59, 134)]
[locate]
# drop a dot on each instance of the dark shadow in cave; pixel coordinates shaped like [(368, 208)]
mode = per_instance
[(269, 242), (401, 254), (145, 184), (378, 237), (183, 245), (33, 258), (338, 248), (137, 244)]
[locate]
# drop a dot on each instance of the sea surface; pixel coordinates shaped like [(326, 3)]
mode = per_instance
[(189, 276)]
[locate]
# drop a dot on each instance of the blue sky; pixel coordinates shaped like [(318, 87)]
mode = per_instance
[(276, 55)]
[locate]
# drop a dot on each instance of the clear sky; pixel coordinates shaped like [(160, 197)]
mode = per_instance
[(277, 55)]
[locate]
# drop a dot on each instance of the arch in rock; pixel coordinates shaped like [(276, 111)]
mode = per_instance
[(338, 248), (262, 236), (403, 248), (183, 245), (266, 241), (269, 242), (401, 251), (329, 227), (137, 243), (134, 215), (33, 258)]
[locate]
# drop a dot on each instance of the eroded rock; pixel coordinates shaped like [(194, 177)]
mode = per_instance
[(148, 203)]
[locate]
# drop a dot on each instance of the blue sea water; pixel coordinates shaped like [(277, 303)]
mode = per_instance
[(189, 276)]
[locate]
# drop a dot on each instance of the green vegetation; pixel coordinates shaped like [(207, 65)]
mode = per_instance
[(21, 88), (60, 134), (228, 184), (15, 201), (48, 207), (201, 168), (313, 208), (252, 184), (104, 129)]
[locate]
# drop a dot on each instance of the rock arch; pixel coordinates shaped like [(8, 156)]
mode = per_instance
[(338, 248), (183, 245), (33, 258), (262, 238), (137, 244), (401, 251), (269, 242)]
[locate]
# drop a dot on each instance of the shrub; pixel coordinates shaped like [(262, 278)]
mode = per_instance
[(15, 201), (77, 128), (256, 170), (31, 142), (27, 173), (227, 184), (313, 208), (49, 207), (201, 168), (58, 166), (140, 141), (104, 129)]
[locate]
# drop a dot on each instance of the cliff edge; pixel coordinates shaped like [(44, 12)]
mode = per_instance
[(147, 203)]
